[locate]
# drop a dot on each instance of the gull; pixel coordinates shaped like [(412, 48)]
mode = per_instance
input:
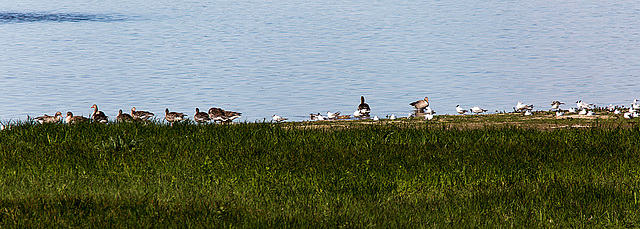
[(420, 104), (582, 112), (478, 110), (635, 105), (49, 119), (572, 110), (617, 112), (363, 107), (428, 116), (428, 110), (123, 117), (332, 115), (143, 115), (460, 110), (590, 113), (628, 115), (317, 116), (556, 104), (528, 112), (521, 106), (410, 115), (98, 116), (393, 117), (357, 114), (278, 118), (611, 108), (583, 105), (375, 118), (559, 113), (201, 117)]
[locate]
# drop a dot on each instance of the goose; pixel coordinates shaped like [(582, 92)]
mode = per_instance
[(218, 114), (123, 117), (460, 110), (556, 104), (98, 116), (364, 107), (420, 104), (428, 110), (201, 117), (478, 110), (173, 116), (70, 119), (521, 106), (278, 118), (332, 115), (144, 115), (49, 119), (583, 105)]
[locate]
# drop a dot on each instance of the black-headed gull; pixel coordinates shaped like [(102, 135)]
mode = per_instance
[(521, 106), (635, 105), (582, 112), (617, 112), (393, 117), (375, 118), (428, 116), (332, 115), (420, 104), (572, 110), (583, 105), (477, 110), (460, 110), (556, 104), (278, 118), (628, 115), (559, 113), (528, 112), (429, 110)]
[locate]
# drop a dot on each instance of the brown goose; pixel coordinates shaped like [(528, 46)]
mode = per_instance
[(201, 117), (363, 108), (218, 114), (420, 104), (173, 116), (98, 116), (49, 119), (144, 115), (123, 117), (70, 119)]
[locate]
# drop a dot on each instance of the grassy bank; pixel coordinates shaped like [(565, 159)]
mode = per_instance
[(451, 172)]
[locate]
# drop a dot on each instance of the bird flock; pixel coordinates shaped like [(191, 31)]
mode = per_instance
[(363, 110)]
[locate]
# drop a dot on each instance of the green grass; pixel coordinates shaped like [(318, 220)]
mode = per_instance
[(349, 174)]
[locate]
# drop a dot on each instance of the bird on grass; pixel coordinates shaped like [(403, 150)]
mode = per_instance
[(123, 117), (218, 114), (583, 105), (278, 118), (478, 110), (201, 117), (49, 119), (98, 116), (460, 110), (521, 106), (363, 108), (173, 116), (333, 115), (420, 104), (141, 115), (375, 118), (556, 104), (70, 119)]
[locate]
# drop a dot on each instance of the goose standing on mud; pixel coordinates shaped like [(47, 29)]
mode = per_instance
[(123, 117), (70, 119), (98, 116), (49, 119), (201, 117), (420, 104), (364, 108), (143, 115), (173, 116)]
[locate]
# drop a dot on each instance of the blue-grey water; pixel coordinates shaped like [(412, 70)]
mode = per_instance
[(295, 57)]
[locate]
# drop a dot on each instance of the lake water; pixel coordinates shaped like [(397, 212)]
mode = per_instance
[(295, 57)]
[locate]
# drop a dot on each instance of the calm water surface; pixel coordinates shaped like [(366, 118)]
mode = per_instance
[(294, 57)]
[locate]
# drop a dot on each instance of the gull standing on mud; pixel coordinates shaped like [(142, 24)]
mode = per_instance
[(278, 118), (556, 104), (460, 110), (478, 110), (521, 106)]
